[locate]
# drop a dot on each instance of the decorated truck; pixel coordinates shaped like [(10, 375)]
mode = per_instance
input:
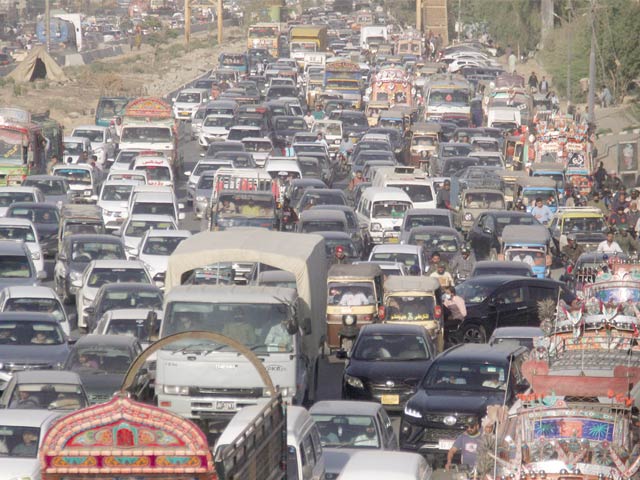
[(343, 77), (392, 85)]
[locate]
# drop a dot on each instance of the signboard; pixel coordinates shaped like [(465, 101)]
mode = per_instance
[(628, 157), (148, 107)]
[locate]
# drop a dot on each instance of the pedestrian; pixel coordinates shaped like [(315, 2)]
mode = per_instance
[(454, 304), (467, 444), (308, 118), (541, 212), (555, 102), (533, 81), (52, 163), (443, 198), (512, 60), (606, 98), (138, 37), (600, 175), (544, 85)]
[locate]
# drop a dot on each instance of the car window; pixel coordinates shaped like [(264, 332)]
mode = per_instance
[(539, 293), (510, 296)]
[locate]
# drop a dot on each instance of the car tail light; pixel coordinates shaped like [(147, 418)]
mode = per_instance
[(381, 312), (437, 311)]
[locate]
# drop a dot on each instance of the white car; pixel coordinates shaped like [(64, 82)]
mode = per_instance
[(21, 460), (129, 321), (137, 225), (407, 255), (21, 229), (100, 272), (34, 299), (215, 128), (114, 202), (74, 147), (186, 104), (102, 143), (155, 248), (9, 195), (259, 147)]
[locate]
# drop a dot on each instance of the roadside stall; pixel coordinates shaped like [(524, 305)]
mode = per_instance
[(413, 300), (125, 439)]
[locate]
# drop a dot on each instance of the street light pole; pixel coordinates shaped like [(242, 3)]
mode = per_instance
[(569, 53), (47, 24), (459, 12), (592, 67)]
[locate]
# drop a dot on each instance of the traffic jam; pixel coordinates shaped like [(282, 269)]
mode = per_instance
[(339, 254)]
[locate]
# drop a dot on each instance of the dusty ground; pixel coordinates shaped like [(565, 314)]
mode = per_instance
[(149, 71)]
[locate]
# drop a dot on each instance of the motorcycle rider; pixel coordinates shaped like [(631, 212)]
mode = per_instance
[(572, 250), (463, 264)]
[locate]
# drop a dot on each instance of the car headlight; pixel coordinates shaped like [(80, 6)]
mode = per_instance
[(375, 227), (175, 390), (76, 278), (354, 382), (35, 255), (410, 412), (349, 320), (468, 217)]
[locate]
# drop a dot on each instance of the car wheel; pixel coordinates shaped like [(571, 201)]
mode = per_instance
[(473, 333)]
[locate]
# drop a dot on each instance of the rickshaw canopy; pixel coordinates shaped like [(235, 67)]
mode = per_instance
[(525, 235), (409, 283)]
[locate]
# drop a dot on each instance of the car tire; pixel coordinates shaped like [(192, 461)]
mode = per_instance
[(473, 333)]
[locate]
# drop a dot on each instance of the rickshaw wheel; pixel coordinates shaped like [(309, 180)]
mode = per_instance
[(473, 333)]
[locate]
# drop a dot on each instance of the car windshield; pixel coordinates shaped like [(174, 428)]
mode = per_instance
[(225, 122), (50, 396), (530, 194), (161, 245), (205, 182), (408, 259), (101, 359), (448, 96), (73, 148), (465, 376), (156, 172), (18, 233), (290, 124), (259, 327), (321, 198), (146, 134), (258, 147), (15, 266), (94, 136), (328, 128), (484, 201), (502, 222), (350, 431), (116, 299), (354, 120), (19, 442), (7, 198), (75, 175), (410, 308), (153, 208), (116, 193), (31, 333), (36, 215), (435, 241), (125, 158), (390, 209), (454, 150), (100, 276), (87, 251), (41, 305), (47, 187), (524, 271), (137, 228), (583, 225), (323, 226), (474, 292), (427, 221), (389, 348), (248, 206), (351, 294), (137, 328), (188, 98)]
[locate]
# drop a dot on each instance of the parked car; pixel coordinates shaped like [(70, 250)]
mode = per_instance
[(386, 363)]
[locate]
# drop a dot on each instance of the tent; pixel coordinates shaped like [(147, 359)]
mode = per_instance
[(38, 64)]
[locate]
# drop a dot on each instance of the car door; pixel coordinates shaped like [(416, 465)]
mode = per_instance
[(389, 439), (511, 305)]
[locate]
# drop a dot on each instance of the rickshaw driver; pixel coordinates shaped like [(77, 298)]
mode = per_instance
[(353, 298)]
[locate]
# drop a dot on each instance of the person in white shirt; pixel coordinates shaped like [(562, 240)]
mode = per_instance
[(354, 299), (609, 245), (444, 277)]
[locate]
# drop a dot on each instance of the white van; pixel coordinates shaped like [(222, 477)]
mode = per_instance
[(305, 460), (414, 182), (382, 209), (383, 465), (158, 169)]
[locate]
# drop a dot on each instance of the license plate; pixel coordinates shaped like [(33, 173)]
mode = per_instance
[(226, 406), (392, 240), (445, 444), (390, 399), (86, 193)]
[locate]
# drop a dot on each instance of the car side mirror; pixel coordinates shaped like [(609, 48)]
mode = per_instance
[(187, 173), (492, 302), (342, 354), (202, 154), (134, 252), (94, 198), (61, 257), (117, 232)]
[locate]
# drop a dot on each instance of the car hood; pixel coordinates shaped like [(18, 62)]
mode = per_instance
[(12, 468), (454, 401), (101, 383), (590, 237), (408, 371), (78, 266), (34, 354), (336, 458)]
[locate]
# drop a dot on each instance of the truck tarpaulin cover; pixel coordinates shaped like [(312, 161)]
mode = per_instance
[(302, 255)]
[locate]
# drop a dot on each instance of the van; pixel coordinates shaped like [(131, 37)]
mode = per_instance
[(414, 182), (382, 210), (305, 460), (158, 169), (138, 176), (155, 203), (377, 465)]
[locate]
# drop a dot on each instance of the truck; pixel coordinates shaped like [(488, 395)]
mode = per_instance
[(371, 36), (284, 327), (343, 78), (148, 125), (304, 39), (448, 98)]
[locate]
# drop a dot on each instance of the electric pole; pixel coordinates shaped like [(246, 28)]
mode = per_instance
[(459, 13), (419, 15), (187, 21), (220, 10), (592, 67), (569, 52), (47, 24)]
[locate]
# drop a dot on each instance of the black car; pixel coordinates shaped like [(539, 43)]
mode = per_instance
[(226, 146), (494, 267), (398, 142), (285, 127), (115, 296), (386, 363), (353, 121), (102, 362), (30, 341), (486, 231), (502, 301), (45, 218), (458, 386), (78, 250)]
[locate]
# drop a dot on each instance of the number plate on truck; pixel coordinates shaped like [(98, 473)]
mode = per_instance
[(226, 406)]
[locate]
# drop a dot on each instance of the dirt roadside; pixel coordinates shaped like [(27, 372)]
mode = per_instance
[(148, 71)]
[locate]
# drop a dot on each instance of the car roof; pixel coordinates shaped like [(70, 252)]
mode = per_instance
[(93, 237), (517, 332), (345, 407), (428, 211), (27, 317), (15, 221), (479, 352), (129, 313), (149, 217), (26, 418), (435, 229), (169, 233), (497, 280), (131, 286), (29, 291), (501, 265), (18, 189), (137, 264), (46, 177), (396, 248), (46, 376), (90, 127), (392, 329), (105, 340)]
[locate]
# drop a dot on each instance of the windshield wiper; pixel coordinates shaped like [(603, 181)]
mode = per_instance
[(193, 345)]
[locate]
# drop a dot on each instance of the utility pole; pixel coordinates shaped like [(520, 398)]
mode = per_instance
[(419, 15), (187, 21), (459, 24), (220, 10), (47, 24), (569, 52), (592, 66)]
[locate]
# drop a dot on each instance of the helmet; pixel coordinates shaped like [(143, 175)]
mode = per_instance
[(571, 237)]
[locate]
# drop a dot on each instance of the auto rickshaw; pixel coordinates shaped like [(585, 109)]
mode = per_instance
[(354, 299), (531, 188), (529, 244), (373, 111), (415, 301), (579, 179), (424, 143), (510, 181)]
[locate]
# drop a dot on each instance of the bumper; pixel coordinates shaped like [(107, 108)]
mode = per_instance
[(82, 196), (217, 408), (391, 398), (426, 439)]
